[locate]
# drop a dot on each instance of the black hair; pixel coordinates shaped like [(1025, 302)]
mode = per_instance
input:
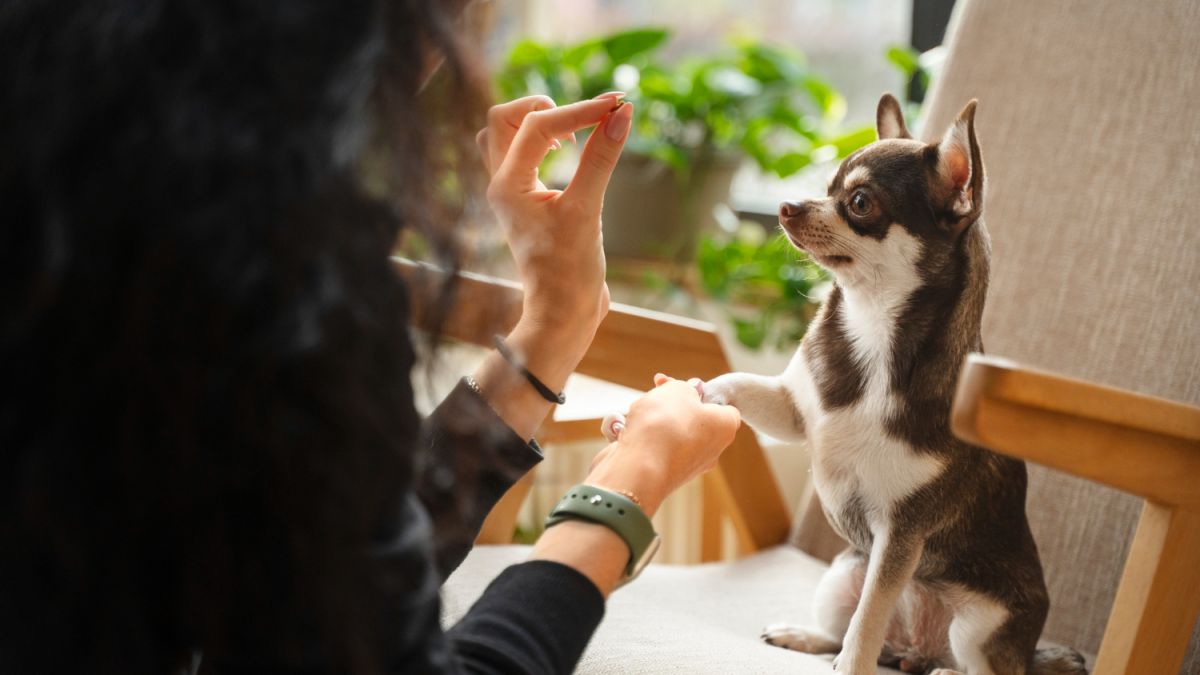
[(205, 404)]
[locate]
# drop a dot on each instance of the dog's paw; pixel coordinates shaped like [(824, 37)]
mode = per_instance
[(846, 664), (944, 671), (718, 390), (799, 638)]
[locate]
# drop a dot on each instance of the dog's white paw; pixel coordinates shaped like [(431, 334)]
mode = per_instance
[(717, 390), (799, 638), (845, 664), (944, 671)]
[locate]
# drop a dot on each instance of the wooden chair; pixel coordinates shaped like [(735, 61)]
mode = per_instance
[(1087, 120)]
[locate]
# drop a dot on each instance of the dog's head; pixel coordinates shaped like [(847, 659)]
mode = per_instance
[(897, 206)]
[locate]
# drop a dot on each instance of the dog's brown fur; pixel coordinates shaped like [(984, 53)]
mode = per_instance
[(943, 571)]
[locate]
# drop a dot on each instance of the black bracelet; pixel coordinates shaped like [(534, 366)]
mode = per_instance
[(515, 362)]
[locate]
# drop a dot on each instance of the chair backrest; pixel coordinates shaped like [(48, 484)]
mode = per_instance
[(1089, 121)]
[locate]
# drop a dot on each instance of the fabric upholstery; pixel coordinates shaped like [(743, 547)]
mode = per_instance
[(1090, 134), (694, 619)]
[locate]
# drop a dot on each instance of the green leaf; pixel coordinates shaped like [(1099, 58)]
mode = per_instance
[(575, 57), (905, 58), (672, 155), (770, 63), (788, 164), (750, 333), (830, 102), (849, 142), (731, 82), (527, 53), (624, 46)]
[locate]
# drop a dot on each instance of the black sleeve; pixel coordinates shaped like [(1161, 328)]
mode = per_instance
[(469, 459), (536, 617)]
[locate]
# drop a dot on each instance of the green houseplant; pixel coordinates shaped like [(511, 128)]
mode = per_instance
[(698, 119), (768, 290)]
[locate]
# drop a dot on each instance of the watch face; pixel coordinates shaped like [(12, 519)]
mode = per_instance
[(647, 556)]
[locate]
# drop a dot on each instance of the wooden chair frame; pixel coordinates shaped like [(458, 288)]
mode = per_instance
[(1143, 445)]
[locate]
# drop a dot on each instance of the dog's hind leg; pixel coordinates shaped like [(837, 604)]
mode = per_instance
[(990, 638), (833, 604)]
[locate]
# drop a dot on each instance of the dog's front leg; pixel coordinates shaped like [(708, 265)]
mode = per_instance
[(766, 403), (889, 569)]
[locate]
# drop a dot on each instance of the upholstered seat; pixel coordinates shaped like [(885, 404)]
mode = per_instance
[(695, 619)]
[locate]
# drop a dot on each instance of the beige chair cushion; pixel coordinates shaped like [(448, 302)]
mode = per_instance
[(695, 619)]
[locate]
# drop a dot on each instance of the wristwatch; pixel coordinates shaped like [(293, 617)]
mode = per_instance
[(618, 513)]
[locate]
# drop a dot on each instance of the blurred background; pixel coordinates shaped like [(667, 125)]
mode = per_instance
[(739, 104)]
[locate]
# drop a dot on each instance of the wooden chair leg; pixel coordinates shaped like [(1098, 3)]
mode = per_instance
[(711, 523), (1156, 604), (750, 496)]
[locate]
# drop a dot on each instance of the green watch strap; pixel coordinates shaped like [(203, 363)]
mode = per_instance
[(614, 510)]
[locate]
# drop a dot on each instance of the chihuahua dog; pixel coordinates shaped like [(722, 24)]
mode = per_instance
[(942, 574)]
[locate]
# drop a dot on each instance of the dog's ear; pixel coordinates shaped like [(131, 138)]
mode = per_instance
[(960, 165), (889, 120)]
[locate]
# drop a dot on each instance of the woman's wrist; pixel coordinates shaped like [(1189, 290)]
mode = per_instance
[(551, 347), (550, 353), (635, 474), (594, 550), (568, 332)]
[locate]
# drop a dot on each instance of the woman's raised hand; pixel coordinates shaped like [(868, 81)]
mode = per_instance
[(555, 235), (556, 241)]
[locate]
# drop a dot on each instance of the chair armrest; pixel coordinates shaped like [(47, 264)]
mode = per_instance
[(1140, 444)]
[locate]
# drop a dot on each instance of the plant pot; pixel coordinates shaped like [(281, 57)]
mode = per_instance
[(649, 213)]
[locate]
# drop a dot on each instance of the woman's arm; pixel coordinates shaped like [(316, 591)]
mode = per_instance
[(477, 443), (556, 242), (537, 617)]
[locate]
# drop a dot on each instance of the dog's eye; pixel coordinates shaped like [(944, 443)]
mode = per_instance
[(860, 204)]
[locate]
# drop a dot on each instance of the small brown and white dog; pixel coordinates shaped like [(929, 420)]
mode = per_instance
[(942, 574)]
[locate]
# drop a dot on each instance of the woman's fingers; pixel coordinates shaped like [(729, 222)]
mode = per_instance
[(611, 426), (518, 169), (503, 122), (600, 158), (728, 418)]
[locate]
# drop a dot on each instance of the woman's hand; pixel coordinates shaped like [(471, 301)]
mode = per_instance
[(555, 235), (669, 437), (556, 241)]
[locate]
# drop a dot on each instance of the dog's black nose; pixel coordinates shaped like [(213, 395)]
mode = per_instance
[(791, 209)]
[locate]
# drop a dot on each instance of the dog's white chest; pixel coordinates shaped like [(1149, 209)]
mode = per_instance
[(854, 457)]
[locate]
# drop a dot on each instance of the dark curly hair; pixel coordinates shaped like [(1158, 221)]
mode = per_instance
[(205, 399)]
